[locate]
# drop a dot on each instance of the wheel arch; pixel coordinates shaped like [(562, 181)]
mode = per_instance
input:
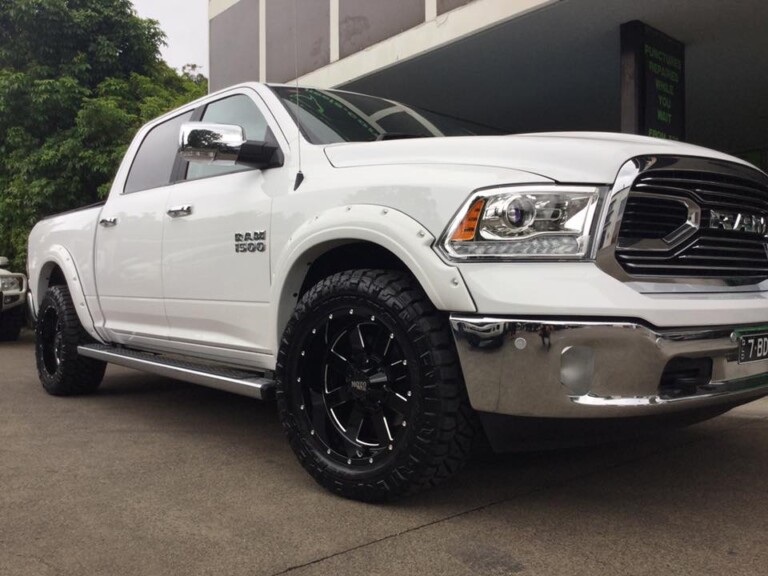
[(51, 274), (362, 236)]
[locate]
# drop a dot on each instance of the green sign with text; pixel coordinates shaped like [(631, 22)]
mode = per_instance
[(653, 82)]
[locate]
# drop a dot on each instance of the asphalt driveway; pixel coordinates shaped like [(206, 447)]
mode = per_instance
[(156, 477)]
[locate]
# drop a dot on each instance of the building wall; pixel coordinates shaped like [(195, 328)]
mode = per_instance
[(234, 41), (254, 39), (444, 6), (366, 22), (520, 65), (313, 40)]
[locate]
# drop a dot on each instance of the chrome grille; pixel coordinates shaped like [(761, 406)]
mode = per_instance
[(646, 217), (647, 245)]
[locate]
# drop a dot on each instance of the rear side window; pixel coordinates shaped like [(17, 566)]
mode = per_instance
[(238, 110), (153, 165)]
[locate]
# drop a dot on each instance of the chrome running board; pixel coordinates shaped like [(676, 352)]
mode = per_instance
[(241, 382)]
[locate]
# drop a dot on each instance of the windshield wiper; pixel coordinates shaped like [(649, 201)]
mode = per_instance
[(400, 136)]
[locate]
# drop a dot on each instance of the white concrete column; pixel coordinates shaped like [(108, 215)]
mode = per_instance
[(262, 40), (430, 10), (335, 30)]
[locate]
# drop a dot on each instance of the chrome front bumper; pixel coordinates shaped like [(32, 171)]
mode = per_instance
[(564, 369)]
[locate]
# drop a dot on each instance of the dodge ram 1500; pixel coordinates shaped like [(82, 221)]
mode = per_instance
[(402, 282)]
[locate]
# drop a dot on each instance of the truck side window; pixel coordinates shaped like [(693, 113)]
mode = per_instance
[(153, 164), (238, 110)]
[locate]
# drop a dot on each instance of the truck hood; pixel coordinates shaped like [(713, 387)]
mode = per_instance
[(585, 157)]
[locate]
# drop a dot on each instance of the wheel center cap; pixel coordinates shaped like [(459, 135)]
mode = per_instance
[(359, 384)]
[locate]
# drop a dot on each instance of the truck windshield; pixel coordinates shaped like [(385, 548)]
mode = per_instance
[(330, 116)]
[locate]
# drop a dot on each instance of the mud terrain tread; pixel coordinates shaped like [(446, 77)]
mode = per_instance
[(446, 425), (76, 375)]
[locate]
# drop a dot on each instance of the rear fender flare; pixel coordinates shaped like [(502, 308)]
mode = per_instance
[(59, 256)]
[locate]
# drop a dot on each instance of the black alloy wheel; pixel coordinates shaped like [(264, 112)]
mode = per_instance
[(369, 387), (50, 340), (357, 392)]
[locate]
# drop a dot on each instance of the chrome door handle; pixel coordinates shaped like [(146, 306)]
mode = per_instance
[(178, 211), (108, 222)]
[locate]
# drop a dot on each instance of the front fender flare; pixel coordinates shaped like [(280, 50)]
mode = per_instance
[(391, 229)]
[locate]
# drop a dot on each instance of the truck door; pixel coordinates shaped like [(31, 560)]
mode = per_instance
[(216, 242), (129, 239)]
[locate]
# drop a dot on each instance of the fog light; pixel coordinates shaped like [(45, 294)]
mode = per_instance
[(577, 368)]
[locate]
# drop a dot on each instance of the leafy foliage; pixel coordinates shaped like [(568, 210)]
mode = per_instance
[(77, 79)]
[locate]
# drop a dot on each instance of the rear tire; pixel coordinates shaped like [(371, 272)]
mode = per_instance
[(62, 371), (11, 323), (369, 388)]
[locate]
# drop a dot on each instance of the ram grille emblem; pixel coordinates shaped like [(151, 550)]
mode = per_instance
[(738, 222)]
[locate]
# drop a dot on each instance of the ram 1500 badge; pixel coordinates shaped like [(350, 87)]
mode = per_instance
[(425, 280)]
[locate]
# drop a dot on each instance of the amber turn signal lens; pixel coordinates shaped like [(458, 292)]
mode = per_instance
[(468, 225)]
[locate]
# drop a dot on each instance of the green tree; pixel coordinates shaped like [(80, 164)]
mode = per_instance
[(77, 79)]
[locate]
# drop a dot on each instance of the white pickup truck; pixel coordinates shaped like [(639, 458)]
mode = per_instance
[(402, 281)]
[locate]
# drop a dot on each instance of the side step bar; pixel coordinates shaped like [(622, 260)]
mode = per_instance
[(242, 382)]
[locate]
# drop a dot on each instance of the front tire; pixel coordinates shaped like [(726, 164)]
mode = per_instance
[(62, 371), (369, 388)]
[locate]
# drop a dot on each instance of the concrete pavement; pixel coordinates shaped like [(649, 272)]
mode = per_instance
[(156, 477)]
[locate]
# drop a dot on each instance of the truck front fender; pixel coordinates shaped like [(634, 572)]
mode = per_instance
[(391, 229)]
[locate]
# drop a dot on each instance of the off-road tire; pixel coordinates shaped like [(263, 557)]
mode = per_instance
[(11, 322), (438, 436), (62, 371)]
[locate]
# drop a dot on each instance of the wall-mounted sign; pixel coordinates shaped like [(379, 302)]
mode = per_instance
[(652, 82)]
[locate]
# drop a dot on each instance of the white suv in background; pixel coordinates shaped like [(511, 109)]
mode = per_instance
[(13, 290)]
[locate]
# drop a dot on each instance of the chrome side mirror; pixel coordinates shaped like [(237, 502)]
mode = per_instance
[(225, 145)]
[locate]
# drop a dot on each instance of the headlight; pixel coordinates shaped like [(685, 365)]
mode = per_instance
[(11, 283), (519, 222)]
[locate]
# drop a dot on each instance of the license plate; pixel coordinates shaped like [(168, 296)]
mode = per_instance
[(753, 347)]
